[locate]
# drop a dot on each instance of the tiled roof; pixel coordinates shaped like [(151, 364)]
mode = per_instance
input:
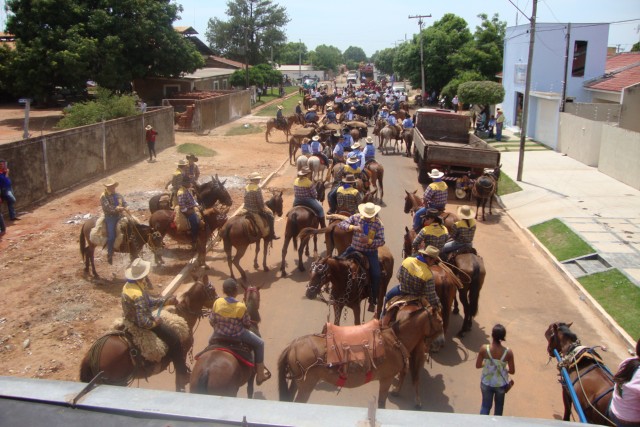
[(228, 61), (621, 60), (622, 70)]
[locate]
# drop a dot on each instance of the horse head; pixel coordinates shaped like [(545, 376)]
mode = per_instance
[(200, 295), (214, 191), (319, 276), (275, 203), (252, 301), (410, 201), (559, 337), (320, 189)]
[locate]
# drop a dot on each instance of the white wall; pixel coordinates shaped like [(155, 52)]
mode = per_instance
[(547, 121), (620, 155), (580, 138)]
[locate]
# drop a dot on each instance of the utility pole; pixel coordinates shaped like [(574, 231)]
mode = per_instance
[(566, 68), (420, 23), (525, 107)]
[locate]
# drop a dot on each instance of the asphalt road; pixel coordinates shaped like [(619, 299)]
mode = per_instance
[(522, 291)]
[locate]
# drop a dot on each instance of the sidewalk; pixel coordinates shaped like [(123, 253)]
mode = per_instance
[(600, 209)]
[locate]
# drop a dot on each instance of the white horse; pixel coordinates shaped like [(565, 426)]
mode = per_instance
[(301, 161), (386, 135)]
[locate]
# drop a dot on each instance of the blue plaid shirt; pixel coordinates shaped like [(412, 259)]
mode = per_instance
[(137, 304), (229, 317), (372, 235), (303, 189)]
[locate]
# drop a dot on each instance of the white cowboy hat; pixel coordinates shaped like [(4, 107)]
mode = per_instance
[(385, 108), (352, 160), (315, 138), (356, 145), (430, 251), (149, 127), (109, 182), (299, 102), (138, 269), (368, 210), (465, 212), (393, 112), (329, 108), (369, 140), (254, 176), (460, 193), (304, 171), (435, 173), (280, 107)]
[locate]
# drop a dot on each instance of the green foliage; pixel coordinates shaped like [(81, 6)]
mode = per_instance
[(383, 60), (196, 149), (257, 24), (481, 93), (451, 88), (288, 104), (290, 53), (246, 129), (326, 57), (506, 185), (635, 47), (7, 56), (563, 243), (106, 107), (260, 75), (354, 54)]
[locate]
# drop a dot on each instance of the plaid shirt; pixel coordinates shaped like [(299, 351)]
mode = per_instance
[(229, 317), (344, 171), (348, 199), (186, 200), (253, 201), (435, 196), (303, 189), (137, 304), (464, 230), (416, 279), (433, 234), (373, 232), (110, 202), (192, 173)]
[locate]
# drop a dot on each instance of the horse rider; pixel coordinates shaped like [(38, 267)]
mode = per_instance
[(396, 104), (393, 122), (348, 197), (462, 232), (351, 114), (384, 113), (230, 318), (113, 206), (305, 194), (176, 180), (331, 116), (416, 278), (338, 153), (369, 151), (433, 232), (189, 208), (280, 120), (407, 123), (351, 167), (357, 148), (347, 141), (192, 171), (138, 306), (305, 147), (299, 112), (311, 116), (316, 150), (368, 236), (338, 101), (254, 203), (435, 196)]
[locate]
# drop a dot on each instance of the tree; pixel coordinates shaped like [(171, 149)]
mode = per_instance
[(67, 42), (259, 75), (290, 53), (258, 24), (383, 60), (635, 47), (484, 53), (451, 88), (482, 93), (326, 57), (354, 56)]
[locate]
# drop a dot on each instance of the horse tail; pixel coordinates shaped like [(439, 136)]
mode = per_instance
[(284, 391), (307, 232), (474, 291), (86, 373), (226, 239), (83, 244), (201, 385)]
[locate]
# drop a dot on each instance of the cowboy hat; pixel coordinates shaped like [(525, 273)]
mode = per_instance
[(369, 140), (315, 138), (460, 193), (393, 112), (368, 210), (182, 163), (109, 182), (299, 102), (148, 127), (304, 171), (353, 108), (356, 145), (138, 269), (430, 251), (385, 108), (465, 212), (329, 108), (254, 176), (192, 157), (352, 160), (280, 107), (349, 179), (435, 173), (431, 213)]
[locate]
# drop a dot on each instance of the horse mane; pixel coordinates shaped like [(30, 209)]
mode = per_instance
[(564, 328)]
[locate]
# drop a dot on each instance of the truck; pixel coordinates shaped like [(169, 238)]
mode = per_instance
[(366, 72), (352, 77), (442, 141)]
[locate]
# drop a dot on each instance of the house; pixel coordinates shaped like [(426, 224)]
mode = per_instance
[(296, 72), (574, 53)]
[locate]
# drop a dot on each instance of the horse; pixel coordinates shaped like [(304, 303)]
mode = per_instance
[(413, 202), (218, 372), (134, 238), (303, 361), (235, 234), (162, 221), (590, 378), (207, 194), (348, 286), (387, 134), (298, 218), (274, 124), (469, 268), (407, 137), (113, 355), (376, 174), (484, 189)]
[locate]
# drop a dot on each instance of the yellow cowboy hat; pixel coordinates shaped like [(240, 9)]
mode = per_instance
[(254, 176), (109, 182)]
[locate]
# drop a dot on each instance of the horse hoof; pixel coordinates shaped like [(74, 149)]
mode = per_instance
[(301, 267), (266, 268), (418, 406), (456, 311), (284, 273), (395, 392)]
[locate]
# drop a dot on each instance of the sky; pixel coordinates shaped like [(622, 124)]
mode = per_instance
[(379, 24)]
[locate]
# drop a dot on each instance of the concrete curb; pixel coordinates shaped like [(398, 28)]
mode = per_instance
[(583, 294)]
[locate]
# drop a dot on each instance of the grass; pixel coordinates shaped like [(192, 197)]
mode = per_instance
[(289, 104), (618, 296), (245, 129), (563, 243), (196, 149), (506, 185)]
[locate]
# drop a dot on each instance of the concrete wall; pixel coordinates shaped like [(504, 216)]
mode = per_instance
[(579, 138), (546, 122), (213, 112), (54, 162), (601, 112), (630, 108), (620, 155)]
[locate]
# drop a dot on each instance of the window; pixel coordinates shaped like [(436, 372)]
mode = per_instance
[(216, 85), (169, 90), (579, 58), (224, 84)]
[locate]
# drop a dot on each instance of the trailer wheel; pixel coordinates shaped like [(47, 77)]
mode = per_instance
[(423, 177)]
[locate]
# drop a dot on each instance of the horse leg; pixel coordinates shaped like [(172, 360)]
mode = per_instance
[(337, 313), (315, 246), (304, 244), (285, 247), (464, 300), (264, 254), (383, 391), (456, 310), (255, 259), (236, 261), (566, 399), (91, 257), (490, 202), (416, 363), (304, 389)]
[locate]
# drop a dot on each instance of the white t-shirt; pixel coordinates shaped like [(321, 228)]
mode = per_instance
[(627, 406)]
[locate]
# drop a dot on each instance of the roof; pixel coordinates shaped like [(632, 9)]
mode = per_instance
[(228, 61), (621, 71), (204, 73), (621, 60), (186, 31), (295, 67)]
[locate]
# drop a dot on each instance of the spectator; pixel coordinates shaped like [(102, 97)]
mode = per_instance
[(624, 409), (150, 136), (495, 372), (6, 191), (455, 101), (499, 125)]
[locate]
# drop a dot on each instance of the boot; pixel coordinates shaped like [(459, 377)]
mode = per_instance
[(323, 223), (182, 379), (272, 227), (372, 305), (262, 373), (110, 259)]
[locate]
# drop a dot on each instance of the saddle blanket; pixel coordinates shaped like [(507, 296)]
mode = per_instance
[(98, 234), (354, 346), (181, 221), (256, 220)]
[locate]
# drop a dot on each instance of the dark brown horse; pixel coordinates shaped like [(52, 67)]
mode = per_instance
[(348, 285), (469, 268), (335, 237), (208, 194), (235, 235), (218, 372), (376, 174), (162, 221), (112, 354), (407, 137), (134, 238), (413, 202), (590, 378), (300, 217), (286, 128), (303, 361), (485, 188)]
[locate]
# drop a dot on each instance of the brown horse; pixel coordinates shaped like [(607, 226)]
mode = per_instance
[(218, 372), (591, 379), (135, 237), (413, 202), (214, 218), (407, 137), (286, 128), (112, 355), (235, 234), (303, 361), (335, 237), (469, 268), (376, 174), (485, 188), (208, 194), (348, 285)]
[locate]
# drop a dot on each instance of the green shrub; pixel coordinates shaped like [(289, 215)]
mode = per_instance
[(107, 106)]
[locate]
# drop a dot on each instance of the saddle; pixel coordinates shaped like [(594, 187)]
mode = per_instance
[(395, 304), (98, 234), (256, 226), (354, 348), (466, 250), (241, 351), (181, 222), (319, 158), (578, 355)]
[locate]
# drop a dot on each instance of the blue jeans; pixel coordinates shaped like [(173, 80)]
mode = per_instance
[(111, 222), (453, 246), (499, 131), (7, 196), (393, 292), (313, 204), (374, 268), (332, 199), (194, 222), (251, 340), (488, 395)]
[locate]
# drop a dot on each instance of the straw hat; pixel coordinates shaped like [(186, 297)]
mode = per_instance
[(182, 163), (304, 171), (109, 182), (353, 108), (385, 108), (352, 160), (465, 212), (315, 138), (460, 193), (329, 108), (368, 210), (430, 251), (369, 140), (148, 127), (356, 145), (254, 176), (280, 107), (349, 179), (435, 173), (138, 269), (299, 102), (393, 112)]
